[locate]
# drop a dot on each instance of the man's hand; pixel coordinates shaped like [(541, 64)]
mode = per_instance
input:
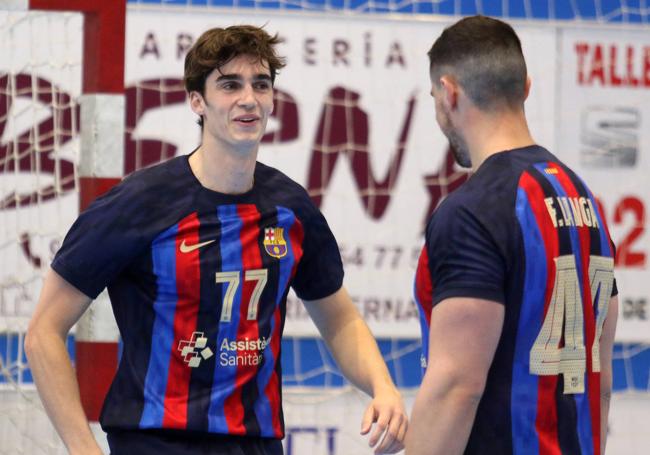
[(387, 411), (357, 355)]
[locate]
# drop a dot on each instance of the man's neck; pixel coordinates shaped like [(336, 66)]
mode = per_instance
[(492, 134), (218, 168)]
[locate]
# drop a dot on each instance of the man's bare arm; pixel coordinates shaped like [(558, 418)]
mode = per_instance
[(358, 356), (464, 335), (59, 307), (606, 348)]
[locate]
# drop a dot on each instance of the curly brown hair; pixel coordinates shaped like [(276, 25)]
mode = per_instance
[(218, 46)]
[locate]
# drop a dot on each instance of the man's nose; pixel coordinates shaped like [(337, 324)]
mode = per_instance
[(247, 98)]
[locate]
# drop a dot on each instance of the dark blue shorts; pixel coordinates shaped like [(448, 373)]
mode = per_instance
[(169, 442)]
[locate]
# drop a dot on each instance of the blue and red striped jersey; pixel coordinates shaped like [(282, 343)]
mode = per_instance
[(525, 231), (198, 281)]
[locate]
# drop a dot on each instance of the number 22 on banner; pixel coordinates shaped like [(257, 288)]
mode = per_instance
[(547, 358)]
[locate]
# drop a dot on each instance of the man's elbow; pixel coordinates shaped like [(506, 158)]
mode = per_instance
[(606, 384), (32, 342), (36, 340), (606, 394), (30, 345), (460, 386), (470, 390)]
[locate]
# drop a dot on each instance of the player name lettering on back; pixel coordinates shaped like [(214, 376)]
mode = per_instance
[(571, 211)]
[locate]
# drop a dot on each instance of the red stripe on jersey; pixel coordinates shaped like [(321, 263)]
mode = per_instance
[(188, 286), (546, 419), (593, 378), (248, 330), (424, 286)]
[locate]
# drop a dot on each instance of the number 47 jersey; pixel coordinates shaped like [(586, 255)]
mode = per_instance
[(526, 232), (198, 281)]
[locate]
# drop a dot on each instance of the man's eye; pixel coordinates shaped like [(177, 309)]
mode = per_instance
[(229, 86), (263, 85)]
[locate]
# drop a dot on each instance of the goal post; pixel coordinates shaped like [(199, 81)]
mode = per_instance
[(100, 167)]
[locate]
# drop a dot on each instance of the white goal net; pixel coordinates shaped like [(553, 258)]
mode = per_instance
[(40, 82)]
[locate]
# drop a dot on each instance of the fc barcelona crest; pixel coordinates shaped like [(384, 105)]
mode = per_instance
[(274, 242)]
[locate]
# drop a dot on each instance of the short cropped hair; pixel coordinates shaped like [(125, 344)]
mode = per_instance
[(485, 57), (218, 46)]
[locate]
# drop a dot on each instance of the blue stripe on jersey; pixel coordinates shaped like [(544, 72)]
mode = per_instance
[(286, 219), (163, 253), (585, 434), (424, 329), (605, 247), (231, 260), (523, 399)]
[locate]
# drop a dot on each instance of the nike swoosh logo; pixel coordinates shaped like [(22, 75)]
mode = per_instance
[(189, 248)]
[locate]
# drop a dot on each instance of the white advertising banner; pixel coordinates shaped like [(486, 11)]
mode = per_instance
[(354, 124), (604, 107)]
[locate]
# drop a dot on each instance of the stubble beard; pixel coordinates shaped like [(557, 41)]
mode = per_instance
[(456, 141), (460, 151)]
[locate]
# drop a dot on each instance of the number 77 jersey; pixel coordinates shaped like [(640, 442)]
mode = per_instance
[(526, 232), (198, 281)]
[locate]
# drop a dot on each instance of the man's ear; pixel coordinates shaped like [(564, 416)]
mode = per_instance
[(450, 91), (527, 87), (197, 104)]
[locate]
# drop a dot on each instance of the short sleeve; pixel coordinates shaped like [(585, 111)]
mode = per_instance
[(614, 285), (100, 243), (320, 271), (464, 259)]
